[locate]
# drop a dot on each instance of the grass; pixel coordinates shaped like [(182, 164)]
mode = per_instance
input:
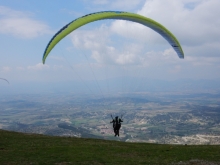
[(18, 148)]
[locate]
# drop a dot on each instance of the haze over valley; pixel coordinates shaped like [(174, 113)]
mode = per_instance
[(155, 117)]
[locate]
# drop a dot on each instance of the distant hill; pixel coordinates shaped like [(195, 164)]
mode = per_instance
[(19, 148)]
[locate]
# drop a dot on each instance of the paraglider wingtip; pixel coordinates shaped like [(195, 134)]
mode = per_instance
[(43, 61), (5, 80), (181, 56)]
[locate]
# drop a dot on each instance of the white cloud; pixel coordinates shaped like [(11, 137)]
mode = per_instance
[(6, 69), (38, 66), (41, 66), (95, 38), (193, 26), (175, 69), (203, 61), (20, 24), (132, 45), (104, 49), (131, 30), (56, 58)]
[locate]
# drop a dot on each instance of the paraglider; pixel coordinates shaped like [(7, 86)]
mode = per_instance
[(116, 124), (67, 29), (77, 23), (5, 80)]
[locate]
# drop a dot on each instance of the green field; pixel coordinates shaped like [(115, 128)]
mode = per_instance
[(19, 148)]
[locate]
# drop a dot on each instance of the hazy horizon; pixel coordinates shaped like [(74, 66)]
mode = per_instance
[(110, 56)]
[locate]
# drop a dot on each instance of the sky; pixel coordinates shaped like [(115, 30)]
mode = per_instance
[(107, 53)]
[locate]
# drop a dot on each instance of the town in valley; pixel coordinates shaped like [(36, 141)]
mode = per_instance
[(164, 118)]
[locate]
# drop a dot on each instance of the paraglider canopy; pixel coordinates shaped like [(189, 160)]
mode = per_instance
[(67, 29), (5, 80)]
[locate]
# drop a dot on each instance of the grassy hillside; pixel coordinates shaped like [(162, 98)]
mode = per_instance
[(19, 148)]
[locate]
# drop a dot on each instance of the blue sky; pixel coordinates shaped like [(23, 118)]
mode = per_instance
[(106, 49)]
